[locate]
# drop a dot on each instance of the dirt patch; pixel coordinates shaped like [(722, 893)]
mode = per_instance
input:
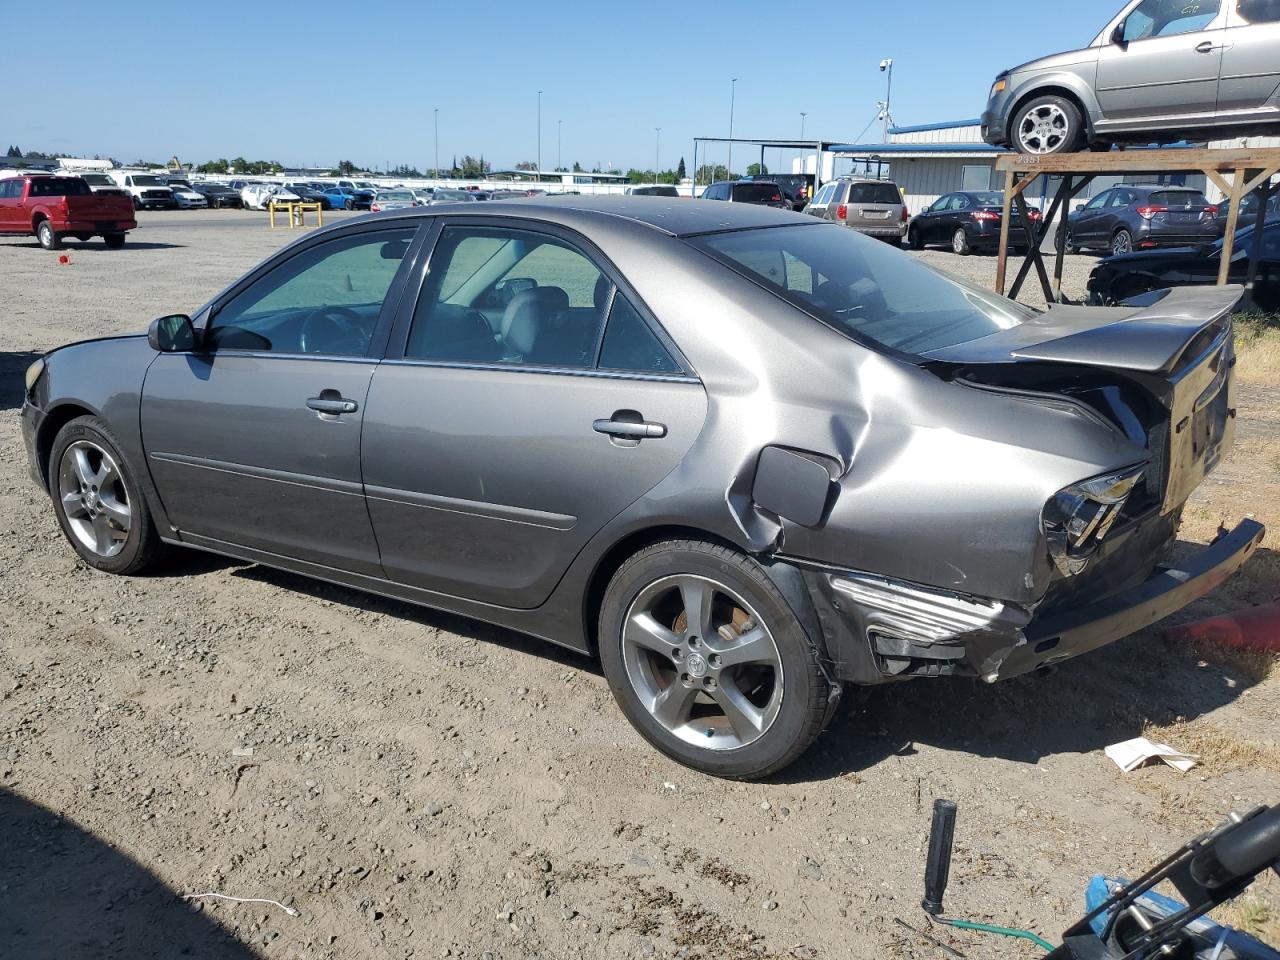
[(423, 785)]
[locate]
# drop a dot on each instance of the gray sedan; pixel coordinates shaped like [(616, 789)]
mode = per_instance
[(742, 456)]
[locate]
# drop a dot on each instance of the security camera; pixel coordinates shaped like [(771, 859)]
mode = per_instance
[(885, 64)]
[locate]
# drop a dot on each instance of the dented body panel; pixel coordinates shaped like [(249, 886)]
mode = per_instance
[(898, 500)]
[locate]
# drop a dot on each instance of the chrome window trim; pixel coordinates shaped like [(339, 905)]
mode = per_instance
[(532, 368)]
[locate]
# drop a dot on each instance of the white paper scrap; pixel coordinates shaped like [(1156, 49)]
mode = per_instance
[(1131, 754)]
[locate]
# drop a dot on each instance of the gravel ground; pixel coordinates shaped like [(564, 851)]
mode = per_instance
[(415, 784)]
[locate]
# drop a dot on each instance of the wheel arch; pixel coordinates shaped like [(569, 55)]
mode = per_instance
[(1055, 88), (57, 418), (617, 554)]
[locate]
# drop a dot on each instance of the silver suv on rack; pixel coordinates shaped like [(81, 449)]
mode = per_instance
[(1160, 71)]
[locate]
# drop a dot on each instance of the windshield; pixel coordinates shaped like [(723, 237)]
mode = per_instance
[(147, 181), (395, 195), (861, 287)]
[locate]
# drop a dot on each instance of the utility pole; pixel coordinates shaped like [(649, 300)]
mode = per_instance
[(559, 156), (539, 160), (886, 66), (436, 171), (657, 146), (733, 89)]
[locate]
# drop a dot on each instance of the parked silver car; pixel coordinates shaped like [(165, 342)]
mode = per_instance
[(873, 207), (1160, 71), (740, 455)]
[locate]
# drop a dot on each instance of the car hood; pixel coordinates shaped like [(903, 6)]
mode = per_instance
[(1067, 58), (1149, 339), (1139, 257)]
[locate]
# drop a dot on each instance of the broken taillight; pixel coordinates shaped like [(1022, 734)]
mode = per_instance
[(1076, 518)]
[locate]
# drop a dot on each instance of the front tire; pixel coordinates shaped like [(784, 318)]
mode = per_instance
[(1047, 125), (960, 243), (914, 240), (97, 500), (349, 205), (48, 237), (709, 662)]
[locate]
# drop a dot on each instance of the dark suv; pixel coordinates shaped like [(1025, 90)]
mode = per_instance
[(764, 192), (796, 187), (1133, 216)]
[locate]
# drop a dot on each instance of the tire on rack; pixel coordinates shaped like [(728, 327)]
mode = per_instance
[(98, 503), (49, 238), (1047, 124), (709, 662)]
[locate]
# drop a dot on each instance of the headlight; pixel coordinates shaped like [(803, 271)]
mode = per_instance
[(1077, 518), (33, 374), (999, 86)]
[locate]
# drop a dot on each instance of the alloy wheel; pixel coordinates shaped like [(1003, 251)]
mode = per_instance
[(702, 662), (1122, 243), (94, 498), (1044, 129)]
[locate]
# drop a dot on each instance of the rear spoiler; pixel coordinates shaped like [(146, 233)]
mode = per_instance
[(1154, 339)]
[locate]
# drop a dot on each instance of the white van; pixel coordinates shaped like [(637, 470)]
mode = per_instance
[(148, 190)]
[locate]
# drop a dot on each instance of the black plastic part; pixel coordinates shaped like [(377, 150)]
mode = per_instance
[(793, 484), (937, 869), (1244, 850)]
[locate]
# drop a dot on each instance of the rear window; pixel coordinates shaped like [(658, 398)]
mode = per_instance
[(991, 198), (59, 187), (756, 193), (863, 288), (1178, 199), (874, 193)]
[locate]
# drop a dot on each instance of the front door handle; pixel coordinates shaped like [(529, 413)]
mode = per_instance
[(1209, 46), (630, 429), (332, 404)]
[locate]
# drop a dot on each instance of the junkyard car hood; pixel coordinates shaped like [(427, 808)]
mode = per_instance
[(1147, 339)]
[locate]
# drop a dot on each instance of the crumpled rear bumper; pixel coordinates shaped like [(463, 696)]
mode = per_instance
[(879, 630)]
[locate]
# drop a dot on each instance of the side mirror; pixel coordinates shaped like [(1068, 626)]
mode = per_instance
[(172, 334), (1117, 35)]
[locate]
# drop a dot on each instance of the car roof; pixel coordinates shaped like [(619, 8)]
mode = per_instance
[(676, 217)]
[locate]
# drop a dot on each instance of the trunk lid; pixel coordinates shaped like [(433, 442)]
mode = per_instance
[(1179, 351), (99, 206)]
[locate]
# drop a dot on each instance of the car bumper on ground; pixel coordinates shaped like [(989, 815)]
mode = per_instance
[(878, 630)]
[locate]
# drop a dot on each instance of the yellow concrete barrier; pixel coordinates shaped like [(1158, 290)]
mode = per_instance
[(297, 213)]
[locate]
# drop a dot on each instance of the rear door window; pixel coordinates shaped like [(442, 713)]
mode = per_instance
[(1259, 11), (630, 345)]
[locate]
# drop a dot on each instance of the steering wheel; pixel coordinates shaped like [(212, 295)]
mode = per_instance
[(331, 329)]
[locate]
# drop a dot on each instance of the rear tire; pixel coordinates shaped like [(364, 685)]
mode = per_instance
[(1047, 125), (98, 503), (673, 672), (114, 241), (349, 204), (48, 237), (960, 243), (1121, 243)]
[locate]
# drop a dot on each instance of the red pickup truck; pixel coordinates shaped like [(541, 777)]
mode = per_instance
[(52, 208)]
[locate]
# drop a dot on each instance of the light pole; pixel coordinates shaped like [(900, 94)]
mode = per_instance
[(436, 121), (559, 157), (657, 146), (802, 153), (886, 66), (733, 89), (538, 176)]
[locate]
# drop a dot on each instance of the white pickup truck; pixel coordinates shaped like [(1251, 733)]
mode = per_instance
[(149, 192)]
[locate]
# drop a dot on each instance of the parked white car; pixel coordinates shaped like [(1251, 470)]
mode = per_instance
[(185, 197), (256, 196)]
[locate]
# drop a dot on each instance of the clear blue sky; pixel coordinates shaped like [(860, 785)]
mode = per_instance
[(322, 82)]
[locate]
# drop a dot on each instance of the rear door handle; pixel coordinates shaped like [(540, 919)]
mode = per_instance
[(631, 430), (332, 405)]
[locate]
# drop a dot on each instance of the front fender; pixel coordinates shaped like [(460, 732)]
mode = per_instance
[(1033, 83)]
